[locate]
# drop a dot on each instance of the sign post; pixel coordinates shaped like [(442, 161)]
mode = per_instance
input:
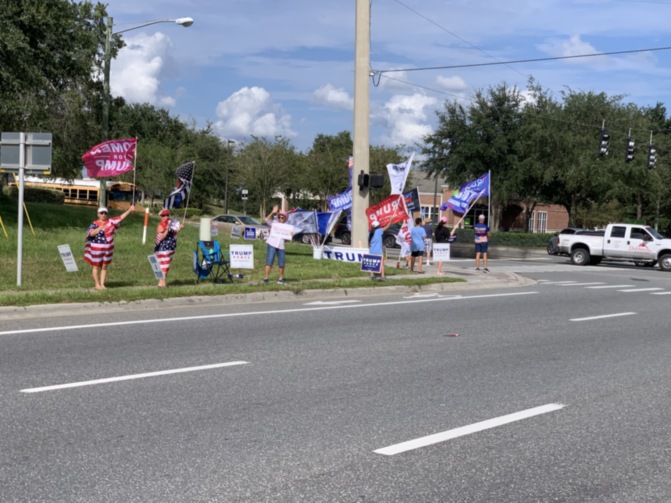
[(21, 152)]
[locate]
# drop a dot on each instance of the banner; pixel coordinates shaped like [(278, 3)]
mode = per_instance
[(110, 158), (412, 201), (390, 210), (398, 174), (342, 201), (467, 193), (344, 254), (241, 256)]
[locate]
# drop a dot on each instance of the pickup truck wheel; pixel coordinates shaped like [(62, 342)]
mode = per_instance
[(580, 256), (346, 238), (665, 262)]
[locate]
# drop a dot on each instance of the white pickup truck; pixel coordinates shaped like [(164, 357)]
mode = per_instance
[(627, 242)]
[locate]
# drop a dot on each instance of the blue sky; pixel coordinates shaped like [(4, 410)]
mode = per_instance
[(286, 67)]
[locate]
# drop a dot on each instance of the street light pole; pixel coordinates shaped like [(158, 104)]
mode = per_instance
[(107, 61), (229, 144)]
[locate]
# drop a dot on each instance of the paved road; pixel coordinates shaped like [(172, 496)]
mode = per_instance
[(555, 391)]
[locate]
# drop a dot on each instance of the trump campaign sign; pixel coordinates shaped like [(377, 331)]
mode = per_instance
[(390, 210)]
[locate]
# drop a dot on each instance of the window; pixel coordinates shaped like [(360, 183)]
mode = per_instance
[(638, 233), (618, 232), (542, 225)]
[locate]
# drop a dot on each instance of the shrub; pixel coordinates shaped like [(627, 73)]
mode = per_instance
[(35, 194)]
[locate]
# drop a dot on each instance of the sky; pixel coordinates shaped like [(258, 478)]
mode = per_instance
[(286, 67)]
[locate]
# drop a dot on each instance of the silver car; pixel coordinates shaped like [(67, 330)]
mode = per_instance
[(226, 223)]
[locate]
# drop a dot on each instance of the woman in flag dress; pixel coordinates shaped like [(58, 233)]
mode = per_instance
[(166, 243), (99, 247)]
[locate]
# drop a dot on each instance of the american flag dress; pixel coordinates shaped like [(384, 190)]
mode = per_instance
[(99, 249), (165, 250)]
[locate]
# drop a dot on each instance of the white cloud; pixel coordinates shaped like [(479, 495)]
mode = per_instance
[(406, 118), (453, 84), (137, 71), (333, 97), (251, 111), (574, 46)]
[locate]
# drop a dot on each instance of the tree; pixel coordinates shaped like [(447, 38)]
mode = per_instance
[(325, 170)]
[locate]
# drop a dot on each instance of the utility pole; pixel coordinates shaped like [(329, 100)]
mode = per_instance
[(360, 196)]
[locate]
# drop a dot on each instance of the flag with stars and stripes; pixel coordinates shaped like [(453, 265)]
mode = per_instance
[(181, 191)]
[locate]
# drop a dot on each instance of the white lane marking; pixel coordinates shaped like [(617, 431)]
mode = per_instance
[(467, 430), (610, 286), (559, 282), (633, 290), (601, 317), (330, 302), (660, 293), (256, 313), (584, 284), (129, 377)]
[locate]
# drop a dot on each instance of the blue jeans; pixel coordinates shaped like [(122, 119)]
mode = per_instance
[(271, 252)]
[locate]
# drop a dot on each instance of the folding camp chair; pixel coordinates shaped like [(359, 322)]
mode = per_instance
[(209, 262)]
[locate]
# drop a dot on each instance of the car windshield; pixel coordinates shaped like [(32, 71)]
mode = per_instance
[(248, 220)]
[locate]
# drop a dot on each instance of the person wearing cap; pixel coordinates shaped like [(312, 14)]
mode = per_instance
[(376, 245), (443, 235), (166, 243), (99, 247), (481, 230), (275, 245)]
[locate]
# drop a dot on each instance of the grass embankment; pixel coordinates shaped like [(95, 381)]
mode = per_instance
[(130, 277)]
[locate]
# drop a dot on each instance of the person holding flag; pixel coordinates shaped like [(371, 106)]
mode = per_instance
[(99, 247), (481, 230), (181, 192), (166, 243)]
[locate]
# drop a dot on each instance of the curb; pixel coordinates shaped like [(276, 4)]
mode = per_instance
[(473, 282)]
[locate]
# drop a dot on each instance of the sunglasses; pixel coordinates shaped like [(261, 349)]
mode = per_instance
[(282, 217), (102, 213)]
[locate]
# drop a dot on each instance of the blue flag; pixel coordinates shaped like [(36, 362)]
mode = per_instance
[(467, 193)]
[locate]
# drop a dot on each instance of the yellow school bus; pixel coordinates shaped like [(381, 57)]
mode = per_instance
[(85, 192)]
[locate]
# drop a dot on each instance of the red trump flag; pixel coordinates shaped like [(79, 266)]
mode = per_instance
[(110, 158), (390, 210)]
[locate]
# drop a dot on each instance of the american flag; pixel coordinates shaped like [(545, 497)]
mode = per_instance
[(100, 248), (184, 176)]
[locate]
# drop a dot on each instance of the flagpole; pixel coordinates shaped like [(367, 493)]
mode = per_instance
[(134, 171), (188, 195), (489, 197)]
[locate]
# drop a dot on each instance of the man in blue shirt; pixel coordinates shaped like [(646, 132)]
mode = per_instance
[(481, 230), (417, 237)]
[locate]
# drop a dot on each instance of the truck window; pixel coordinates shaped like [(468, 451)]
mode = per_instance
[(617, 232), (638, 233)]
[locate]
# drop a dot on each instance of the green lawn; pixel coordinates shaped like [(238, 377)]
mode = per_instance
[(130, 277)]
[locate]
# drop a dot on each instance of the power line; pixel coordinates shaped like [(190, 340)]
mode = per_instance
[(533, 60)]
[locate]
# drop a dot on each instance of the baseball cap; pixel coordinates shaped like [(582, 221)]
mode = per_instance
[(481, 217), (443, 219), (375, 224), (102, 209), (164, 212)]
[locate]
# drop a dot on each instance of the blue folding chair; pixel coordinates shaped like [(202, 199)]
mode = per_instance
[(209, 262)]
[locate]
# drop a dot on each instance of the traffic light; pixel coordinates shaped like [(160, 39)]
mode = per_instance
[(652, 156), (603, 143), (631, 146)]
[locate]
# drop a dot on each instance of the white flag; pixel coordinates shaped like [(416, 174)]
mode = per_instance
[(398, 174)]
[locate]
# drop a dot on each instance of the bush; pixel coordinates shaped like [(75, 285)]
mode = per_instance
[(512, 239), (35, 194)]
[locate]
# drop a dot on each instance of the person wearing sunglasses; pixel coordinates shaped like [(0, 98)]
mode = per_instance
[(275, 246), (99, 247)]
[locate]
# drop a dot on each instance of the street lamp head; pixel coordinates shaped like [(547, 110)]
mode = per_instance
[(184, 21)]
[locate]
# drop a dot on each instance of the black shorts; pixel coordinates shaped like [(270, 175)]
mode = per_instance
[(417, 254)]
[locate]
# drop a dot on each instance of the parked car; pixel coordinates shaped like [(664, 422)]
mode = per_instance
[(553, 242), (225, 224)]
